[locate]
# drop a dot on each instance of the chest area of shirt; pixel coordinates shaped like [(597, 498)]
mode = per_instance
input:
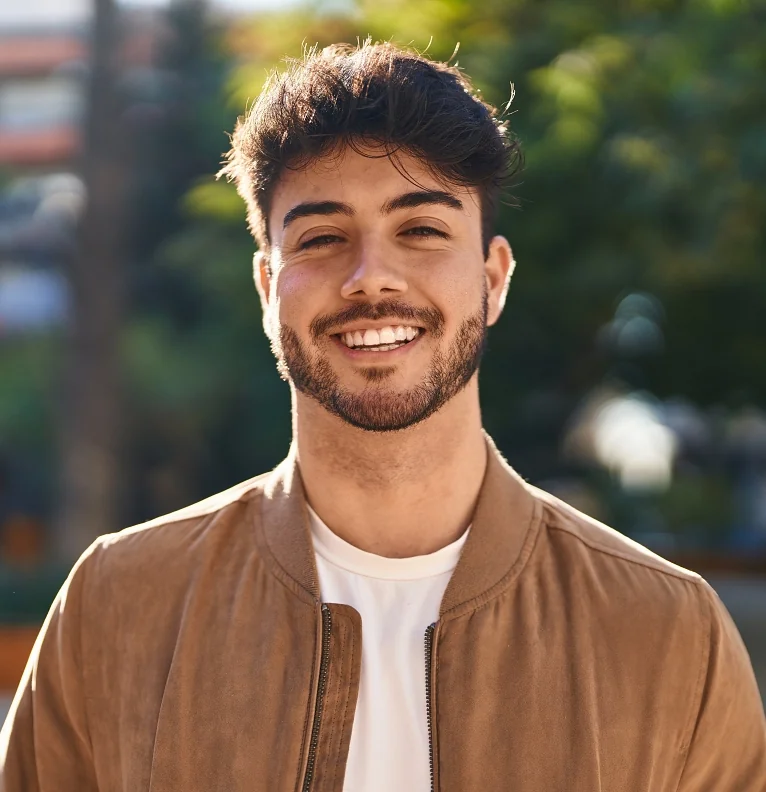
[(259, 709)]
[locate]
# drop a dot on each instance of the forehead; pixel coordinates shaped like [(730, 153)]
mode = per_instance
[(366, 181)]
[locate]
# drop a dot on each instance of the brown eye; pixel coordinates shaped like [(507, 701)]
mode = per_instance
[(426, 231), (323, 240)]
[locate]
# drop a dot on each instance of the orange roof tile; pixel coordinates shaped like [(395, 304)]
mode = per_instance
[(29, 55), (44, 147)]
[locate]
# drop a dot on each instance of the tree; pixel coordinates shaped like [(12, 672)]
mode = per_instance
[(645, 168), (91, 412)]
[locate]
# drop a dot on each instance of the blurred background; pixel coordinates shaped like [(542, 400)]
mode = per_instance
[(628, 375)]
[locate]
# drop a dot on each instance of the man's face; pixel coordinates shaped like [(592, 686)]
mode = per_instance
[(379, 295)]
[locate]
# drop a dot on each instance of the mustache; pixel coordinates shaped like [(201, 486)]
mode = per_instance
[(432, 319)]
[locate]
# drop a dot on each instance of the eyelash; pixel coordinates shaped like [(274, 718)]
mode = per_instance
[(317, 241), (321, 241)]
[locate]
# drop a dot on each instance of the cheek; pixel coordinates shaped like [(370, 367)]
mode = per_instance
[(292, 283), (461, 295), (299, 298)]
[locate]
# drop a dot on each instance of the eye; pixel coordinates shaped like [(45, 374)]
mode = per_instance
[(323, 240), (426, 231)]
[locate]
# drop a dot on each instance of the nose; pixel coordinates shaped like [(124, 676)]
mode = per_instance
[(375, 274)]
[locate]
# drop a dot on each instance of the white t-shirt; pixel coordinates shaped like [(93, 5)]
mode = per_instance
[(397, 598)]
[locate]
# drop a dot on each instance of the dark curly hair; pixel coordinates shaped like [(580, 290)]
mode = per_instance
[(367, 97)]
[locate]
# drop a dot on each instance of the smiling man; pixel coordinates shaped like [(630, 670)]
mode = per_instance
[(408, 235), (392, 608)]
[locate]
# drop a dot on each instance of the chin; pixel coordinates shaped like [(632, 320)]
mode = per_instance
[(377, 374)]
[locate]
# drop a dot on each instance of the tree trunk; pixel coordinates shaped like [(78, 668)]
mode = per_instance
[(90, 415)]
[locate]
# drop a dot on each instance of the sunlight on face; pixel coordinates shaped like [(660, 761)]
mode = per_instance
[(379, 298)]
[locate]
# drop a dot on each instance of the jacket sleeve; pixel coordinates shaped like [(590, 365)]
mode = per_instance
[(44, 744), (727, 750)]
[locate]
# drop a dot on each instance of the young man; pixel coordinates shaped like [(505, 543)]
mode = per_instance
[(393, 608)]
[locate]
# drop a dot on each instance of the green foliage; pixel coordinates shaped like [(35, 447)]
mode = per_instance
[(27, 397), (26, 594), (30, 379), (215, 199), (644, 129)]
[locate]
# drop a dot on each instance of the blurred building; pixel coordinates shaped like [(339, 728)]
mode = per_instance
[(43, 69), (43, 66), (44, 84)]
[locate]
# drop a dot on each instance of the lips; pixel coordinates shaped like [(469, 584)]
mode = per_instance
[(390, 312)]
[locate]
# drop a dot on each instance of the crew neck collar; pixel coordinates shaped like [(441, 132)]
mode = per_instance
[(341, 553)]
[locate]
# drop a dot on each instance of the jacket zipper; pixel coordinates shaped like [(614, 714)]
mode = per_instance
[(429, 700), (324, 663)]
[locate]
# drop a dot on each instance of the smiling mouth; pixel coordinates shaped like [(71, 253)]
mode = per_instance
[(383, 339)]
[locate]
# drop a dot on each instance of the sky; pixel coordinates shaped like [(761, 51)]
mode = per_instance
[(234, 5), (26, 13), (51, 12)]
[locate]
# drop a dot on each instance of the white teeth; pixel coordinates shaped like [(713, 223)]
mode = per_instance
[(387, 335), (383, 348), (382, 340)]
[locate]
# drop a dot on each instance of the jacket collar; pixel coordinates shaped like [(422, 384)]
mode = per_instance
[(503, 532)]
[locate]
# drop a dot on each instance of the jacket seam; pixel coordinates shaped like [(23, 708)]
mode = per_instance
[(696, 709), (334, 718), (352, 647), (348, 697), (599, 548), (531, 541), (81, 664), (284, 578)]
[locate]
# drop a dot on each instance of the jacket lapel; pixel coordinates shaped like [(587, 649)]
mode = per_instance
[(286, 528), (503, 533)]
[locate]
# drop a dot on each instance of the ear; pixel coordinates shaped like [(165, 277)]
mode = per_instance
[(262, 279), (262, 276), (498, 269)]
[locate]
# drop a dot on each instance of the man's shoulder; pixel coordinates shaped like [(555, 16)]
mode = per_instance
[(605, 551), (633, 594), (226, 519)]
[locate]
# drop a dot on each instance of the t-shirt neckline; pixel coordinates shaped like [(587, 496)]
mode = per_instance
[(340, 553)]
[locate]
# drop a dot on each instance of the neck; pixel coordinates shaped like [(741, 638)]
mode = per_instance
[(396, 494)]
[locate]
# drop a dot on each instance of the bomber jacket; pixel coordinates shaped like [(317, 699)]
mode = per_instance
[(194, 653)]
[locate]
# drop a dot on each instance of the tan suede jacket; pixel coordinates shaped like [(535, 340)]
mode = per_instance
[(194, 654)]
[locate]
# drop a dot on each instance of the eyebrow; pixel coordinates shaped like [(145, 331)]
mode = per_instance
[(309, 208), (410, 200)]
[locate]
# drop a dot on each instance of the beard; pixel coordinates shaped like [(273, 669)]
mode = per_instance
[(378, 408)]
